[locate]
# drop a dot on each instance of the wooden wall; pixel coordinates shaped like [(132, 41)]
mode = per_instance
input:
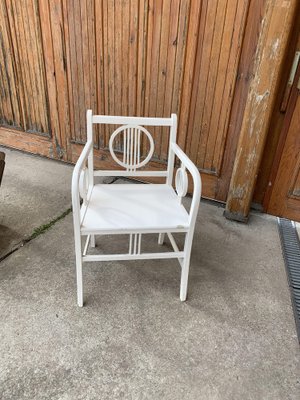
[(123, 57), (23, 82)]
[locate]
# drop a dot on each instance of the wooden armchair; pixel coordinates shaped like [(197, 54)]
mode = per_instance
[(133, 209)]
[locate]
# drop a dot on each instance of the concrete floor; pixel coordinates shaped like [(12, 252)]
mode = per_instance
[(234, 338), (34, 191)]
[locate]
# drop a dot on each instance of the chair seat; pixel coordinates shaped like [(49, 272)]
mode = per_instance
[(133, 207)]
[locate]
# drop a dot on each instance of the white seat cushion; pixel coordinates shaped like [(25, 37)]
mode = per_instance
[(134, 207)]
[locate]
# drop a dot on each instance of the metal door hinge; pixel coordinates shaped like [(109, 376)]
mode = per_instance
[(290, 82), (294, 68)]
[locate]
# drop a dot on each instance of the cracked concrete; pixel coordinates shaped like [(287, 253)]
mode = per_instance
[(234, 338)]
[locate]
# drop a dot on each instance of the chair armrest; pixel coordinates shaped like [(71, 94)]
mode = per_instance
[(75, 180), (191, 167)]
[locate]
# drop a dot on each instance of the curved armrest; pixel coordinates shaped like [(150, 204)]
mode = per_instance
[(191, 167), (75, 180)]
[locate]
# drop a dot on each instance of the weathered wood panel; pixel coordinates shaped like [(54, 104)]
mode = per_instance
[(79, 25), (268, 58), (244, 75), (10, 108), (130, 62), (130, 57), (24, 101), (218, 49)]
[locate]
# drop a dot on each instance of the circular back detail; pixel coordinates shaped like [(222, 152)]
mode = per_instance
[(181, 182), (131, 146)]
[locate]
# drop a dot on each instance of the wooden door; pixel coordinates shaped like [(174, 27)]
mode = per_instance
[(127, 57), (285, 189), (24, 110)]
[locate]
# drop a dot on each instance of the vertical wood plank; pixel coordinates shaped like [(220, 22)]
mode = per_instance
[(91, 23), (20, 48), (9, 78), (155, 51), (60, 65), (180, 43), (217, 150), (6, 106), (125, 57), (210, 23), (105, 133), (162, 73), (99, 51), (197, 9), (142, 47), (37, 66), (69, 58), (86, 56), (111, 55), (133, 46), (213, 90), (80, 70), (73, 82), (118, 58), (148, 55), (48, 52), (174, 41)]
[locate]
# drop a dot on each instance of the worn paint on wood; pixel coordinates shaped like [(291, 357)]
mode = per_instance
[(244, 77), (273, 39)]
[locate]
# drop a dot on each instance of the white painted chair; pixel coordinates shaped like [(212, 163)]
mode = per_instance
[(133, 209)]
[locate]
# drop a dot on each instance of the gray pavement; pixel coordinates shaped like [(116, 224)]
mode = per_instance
[(34, 191), (234, 338)]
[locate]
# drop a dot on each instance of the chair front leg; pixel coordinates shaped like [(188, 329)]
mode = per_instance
[(93, 244), (78, 257), (185, 266)]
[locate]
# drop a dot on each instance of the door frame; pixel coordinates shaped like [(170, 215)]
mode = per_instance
[(279, 124), (282, 142)]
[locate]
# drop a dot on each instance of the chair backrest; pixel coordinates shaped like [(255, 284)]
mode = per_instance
[(131, 133)]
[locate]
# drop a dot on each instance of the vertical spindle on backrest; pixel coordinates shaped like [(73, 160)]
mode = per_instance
[(135, 149), (131, 149), (128, 148), (124, 145), (139, 145)]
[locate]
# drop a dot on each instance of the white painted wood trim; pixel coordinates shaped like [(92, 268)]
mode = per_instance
[(131, 173), (146, 121), (126, 232), (144, 256)]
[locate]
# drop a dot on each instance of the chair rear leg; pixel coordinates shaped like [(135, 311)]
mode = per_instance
[(93, 244), (161, 238)]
